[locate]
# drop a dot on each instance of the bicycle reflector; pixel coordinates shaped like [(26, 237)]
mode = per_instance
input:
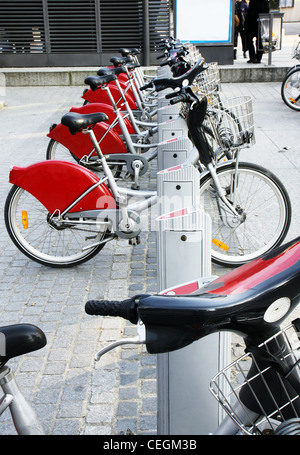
[(220, 244), (25, 219)]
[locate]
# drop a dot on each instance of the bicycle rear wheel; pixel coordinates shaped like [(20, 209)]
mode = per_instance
[(290, 89), (28, 224), (264, 207), (57, 151)]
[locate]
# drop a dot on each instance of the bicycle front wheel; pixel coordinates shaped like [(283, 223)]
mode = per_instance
[(28, 224), (264, 208), (290, 89)]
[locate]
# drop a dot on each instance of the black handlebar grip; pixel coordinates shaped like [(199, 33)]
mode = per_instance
[(124, 309), (179, 99), (171, 95), (149, 85)]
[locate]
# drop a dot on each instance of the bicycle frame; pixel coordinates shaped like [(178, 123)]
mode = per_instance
[(89, 200), (92, 201), (23, 414)]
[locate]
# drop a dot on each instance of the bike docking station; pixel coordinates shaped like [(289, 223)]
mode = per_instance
[(185, 405), (173, 143)]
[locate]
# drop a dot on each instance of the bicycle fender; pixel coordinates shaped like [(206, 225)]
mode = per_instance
[(108, 110), (57, 184), (80, 144), (101, 96)]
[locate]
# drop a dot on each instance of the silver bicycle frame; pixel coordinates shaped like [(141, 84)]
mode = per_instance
[(23, 415)]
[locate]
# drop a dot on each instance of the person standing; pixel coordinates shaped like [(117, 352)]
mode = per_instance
[(256, 7), (241, 9)]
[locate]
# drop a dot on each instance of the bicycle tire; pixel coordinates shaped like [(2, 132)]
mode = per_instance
[(57, 151), (39, 240), (259, 193), (290, 89)]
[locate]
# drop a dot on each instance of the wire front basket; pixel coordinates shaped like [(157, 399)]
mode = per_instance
[(228, 385), (208, 82), (232, 121)]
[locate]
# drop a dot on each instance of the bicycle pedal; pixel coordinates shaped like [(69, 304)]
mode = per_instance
[(135, 186), (135, 241)]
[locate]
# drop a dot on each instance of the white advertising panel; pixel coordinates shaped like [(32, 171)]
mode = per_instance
[(202, 21)]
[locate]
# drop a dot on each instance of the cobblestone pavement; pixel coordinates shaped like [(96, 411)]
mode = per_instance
[(72, 394)]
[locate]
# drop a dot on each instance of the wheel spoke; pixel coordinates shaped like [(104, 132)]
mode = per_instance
[(41, 240), (264, 211)]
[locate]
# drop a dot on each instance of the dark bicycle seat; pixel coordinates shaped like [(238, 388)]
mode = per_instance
[(251, 300), (77, 122), (129, 51), (98, 81), (19, 339), (119, 61), (106, 71)]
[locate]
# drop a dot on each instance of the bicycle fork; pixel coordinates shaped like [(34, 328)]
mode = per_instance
[(228, 213), (24, 417)]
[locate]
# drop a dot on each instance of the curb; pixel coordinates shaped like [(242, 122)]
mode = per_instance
[(20, 77)]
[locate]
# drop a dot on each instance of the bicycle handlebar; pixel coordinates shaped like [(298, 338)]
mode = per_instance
[(171, 95), (179, 99), (145, 87), (125, 309)]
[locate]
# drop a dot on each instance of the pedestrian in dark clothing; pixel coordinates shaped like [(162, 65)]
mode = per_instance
[(256, 7), (241, 9)]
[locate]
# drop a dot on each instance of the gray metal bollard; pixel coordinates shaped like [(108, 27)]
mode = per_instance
[(178, 187), (172, 129), (183, 245), (173, 152), (185, 405)]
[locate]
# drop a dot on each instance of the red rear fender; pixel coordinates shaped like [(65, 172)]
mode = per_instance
[(80, 144), (101, 96), (108, 110), (56, 184)]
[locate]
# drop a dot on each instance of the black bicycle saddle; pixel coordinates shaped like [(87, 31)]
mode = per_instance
[(129, 51), (119, 61), (77, 122), (98, 81), (106, 71), (20, 339)]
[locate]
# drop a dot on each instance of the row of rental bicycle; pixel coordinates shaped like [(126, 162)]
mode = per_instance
[(62, 211), (113, 135)]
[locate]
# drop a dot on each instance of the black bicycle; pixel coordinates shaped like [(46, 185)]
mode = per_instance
[(252, 300)]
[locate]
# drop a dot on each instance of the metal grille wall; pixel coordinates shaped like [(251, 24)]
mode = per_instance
[(77, 32), (121, 20), (72, 26)]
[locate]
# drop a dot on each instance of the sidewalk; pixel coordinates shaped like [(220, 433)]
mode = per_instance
[(281, 60), (71, 393)]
